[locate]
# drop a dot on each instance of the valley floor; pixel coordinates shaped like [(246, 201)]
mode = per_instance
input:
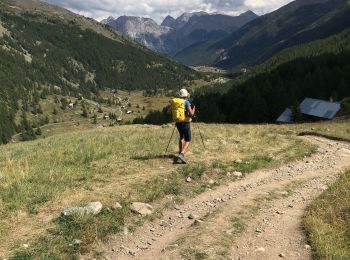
[(257, 217)]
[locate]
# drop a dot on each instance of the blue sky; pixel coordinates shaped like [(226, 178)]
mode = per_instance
[(159, 9)]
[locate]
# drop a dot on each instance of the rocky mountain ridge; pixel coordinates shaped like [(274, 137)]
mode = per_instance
[(173, 35)]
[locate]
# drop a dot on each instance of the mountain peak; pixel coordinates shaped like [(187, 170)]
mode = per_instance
[(249, 14), (185, 17), (169, 21), (108, 20)]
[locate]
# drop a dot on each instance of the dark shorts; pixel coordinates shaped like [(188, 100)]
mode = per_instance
[(184, 129)]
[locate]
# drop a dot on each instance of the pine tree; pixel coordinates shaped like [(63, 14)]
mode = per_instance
[(38, 131), (94, 119), (85, 113), (26, 128)]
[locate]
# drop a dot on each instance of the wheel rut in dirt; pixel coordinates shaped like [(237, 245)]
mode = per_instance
[(258, 217)]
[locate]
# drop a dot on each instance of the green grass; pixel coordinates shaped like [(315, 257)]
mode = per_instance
[(328, 221), (337, 128), (60, 241), (41, 178)]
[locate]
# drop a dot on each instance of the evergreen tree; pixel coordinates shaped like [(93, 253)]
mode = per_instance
[(94, 119)]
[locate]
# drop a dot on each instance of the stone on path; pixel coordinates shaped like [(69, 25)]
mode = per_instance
[(238, 174)]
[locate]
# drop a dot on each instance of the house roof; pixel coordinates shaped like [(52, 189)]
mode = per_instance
[(319, 108), (286, 116)]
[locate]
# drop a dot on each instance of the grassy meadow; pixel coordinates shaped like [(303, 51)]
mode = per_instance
[(122, 164), (65, 120)]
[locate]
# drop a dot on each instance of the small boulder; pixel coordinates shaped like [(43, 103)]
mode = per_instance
[(92, 208), (117, 206), (189, 179), (237, 174), (238, 161), (77, 242), (308, 247), (141, 208), (211, 182)]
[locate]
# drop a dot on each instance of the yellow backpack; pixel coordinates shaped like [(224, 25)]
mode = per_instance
[(178, 110)]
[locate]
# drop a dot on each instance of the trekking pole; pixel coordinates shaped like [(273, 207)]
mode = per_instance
[(166, 150), (200, 133)]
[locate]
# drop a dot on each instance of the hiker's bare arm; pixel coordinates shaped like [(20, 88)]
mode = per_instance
[(191, 110), (169, 110)]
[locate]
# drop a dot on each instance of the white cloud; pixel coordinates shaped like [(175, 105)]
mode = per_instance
[(158, 9), (263, 6)]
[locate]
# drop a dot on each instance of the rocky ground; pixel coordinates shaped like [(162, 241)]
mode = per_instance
[(257, 217)]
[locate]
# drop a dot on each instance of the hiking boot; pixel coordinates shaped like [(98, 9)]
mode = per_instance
[(182, 158)]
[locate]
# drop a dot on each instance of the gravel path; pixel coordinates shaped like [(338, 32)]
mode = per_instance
[(269, 203)]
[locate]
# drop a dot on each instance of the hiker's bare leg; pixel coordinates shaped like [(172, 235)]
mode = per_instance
[(181, 144), (185, 147)]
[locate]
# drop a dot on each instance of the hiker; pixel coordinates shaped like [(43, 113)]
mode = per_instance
[(182, 111)]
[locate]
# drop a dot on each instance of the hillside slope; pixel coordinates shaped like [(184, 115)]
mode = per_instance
[(127, 164), (334, 44), (41, 50), (40, 7), (319, 69), (296, 23)]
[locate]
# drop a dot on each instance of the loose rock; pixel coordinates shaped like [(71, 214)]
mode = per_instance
[(92, 208), (192, 216), (223, 142), (141, 208), (238, 174), (189, 179), (77, 242), (117, 206), (198, 221)]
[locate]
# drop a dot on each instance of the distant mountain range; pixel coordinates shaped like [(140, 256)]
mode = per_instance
[(296, 23), (173, 35)]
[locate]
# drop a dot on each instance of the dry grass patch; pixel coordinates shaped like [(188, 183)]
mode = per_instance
[(328, 221), (40, 178), (335, 128)]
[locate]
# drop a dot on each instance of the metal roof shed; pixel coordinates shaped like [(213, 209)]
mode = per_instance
[(286, 116), (319, 108)]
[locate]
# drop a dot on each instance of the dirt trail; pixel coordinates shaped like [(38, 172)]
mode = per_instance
[(258, 217)]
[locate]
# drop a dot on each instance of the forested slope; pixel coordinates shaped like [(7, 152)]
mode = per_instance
[(42, 54), (319, 69)]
